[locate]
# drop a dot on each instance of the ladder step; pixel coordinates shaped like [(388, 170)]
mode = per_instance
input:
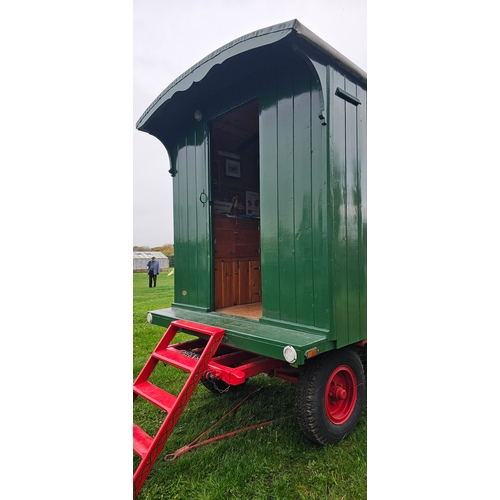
[(142, 441), (198, 327), (157, 396), (175, 358)]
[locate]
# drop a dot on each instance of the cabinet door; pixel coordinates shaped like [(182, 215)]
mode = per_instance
[(226, 291), (237, 282), (254, 281), (243, 282)]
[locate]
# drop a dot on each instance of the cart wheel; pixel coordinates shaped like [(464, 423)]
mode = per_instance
[(330, 396)]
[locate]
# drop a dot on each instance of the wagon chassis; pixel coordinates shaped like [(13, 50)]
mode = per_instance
[(235, 366)]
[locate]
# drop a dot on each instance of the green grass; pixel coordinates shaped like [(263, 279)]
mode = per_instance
[(272, 463)]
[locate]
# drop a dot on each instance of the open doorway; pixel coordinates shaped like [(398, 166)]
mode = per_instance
[(234, 150)]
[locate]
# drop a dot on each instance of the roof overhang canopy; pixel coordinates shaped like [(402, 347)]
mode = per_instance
[(241, 55)]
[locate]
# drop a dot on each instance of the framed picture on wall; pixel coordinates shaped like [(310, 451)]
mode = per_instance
[(233, 168), (252, 203)]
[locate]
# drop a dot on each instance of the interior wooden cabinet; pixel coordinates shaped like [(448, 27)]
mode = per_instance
[(237, 261), (236, 211)]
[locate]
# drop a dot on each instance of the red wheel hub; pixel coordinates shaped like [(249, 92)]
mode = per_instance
[(341, 394)]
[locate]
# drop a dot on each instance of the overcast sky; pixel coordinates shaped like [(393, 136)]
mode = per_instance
[(171, 36)]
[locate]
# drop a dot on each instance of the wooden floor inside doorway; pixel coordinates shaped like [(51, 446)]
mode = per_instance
[(250, 311)]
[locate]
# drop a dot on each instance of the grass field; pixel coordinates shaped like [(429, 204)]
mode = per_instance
[(270, 463)]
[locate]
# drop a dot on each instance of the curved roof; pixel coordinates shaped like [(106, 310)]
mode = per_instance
[(260, 38)]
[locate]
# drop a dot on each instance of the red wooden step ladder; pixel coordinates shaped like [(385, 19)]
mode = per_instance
[(147, 447)]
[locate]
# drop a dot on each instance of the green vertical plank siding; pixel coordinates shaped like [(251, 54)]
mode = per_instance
[(352, 202), (268, 125), (286, 237), (313, 204), (338, 193), (191, 226), (181, 237), (302, 199), (362, 182), (177, 210), (348, 282), (319, 218), (202, 219), (293, 200), (313, 185), (192, 203)]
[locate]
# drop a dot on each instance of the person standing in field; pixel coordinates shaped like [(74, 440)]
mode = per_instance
[(153, 271)]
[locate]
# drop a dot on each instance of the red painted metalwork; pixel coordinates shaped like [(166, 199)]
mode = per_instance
[(233, 366), (201, 358), (287, 373), (147, 447), (341, 394)]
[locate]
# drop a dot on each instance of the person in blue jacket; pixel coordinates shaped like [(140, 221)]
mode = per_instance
[(153, 271)]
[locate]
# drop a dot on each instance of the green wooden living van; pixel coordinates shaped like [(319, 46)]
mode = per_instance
[(266, 138)]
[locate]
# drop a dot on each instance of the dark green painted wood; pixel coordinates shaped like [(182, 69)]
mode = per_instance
[(267, 340), (192, 229), (352, 201), (302, 199), (338, 194), (362, 227), (312, 193), (294, 200), (180, 222), (348, 273), (203, 249), (191, 222), (319, 216), (268, 125), (347, 96), (286, 237)]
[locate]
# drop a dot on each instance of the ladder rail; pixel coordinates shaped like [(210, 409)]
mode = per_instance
[(150, 365), (149, 454)]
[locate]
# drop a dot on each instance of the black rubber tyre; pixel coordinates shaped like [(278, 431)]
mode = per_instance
[(329, 396)]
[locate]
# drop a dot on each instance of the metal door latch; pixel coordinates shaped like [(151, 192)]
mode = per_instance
[(203, 198)]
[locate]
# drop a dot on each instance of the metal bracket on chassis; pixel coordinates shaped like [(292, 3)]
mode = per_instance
[(234, 366)]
